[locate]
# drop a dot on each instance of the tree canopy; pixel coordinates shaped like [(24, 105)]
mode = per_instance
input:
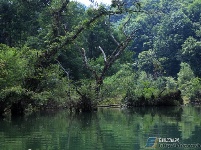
[(56, 52)]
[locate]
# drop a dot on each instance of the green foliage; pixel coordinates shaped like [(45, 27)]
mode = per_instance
[(163, 32), (147, 90), (194, 11), (13, 67), (87, 88), (52, 89), (12, 94), (145, 85), (172, 32), (14, 70), (189, 85), (148, 61), (171, 84), (17, 68), (139, 88), (115, 86), (169, 35), (185, 74), (19, 21), (190, 53)]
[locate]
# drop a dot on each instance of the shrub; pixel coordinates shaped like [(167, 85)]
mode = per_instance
[(189, 85)]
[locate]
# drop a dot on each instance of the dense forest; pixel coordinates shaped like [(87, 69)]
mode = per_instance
[(62, 54)]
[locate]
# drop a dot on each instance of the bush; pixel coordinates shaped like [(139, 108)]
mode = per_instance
[(22, 84), (189, 85), (150, 91)]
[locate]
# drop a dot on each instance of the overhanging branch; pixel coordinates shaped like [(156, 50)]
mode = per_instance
[(102, 12), (104, 56), (71, 36)]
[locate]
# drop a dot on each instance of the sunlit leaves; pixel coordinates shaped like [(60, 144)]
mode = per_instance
[(194, 10), (187, 82), (12, 70), (148, 61), (191, 53)]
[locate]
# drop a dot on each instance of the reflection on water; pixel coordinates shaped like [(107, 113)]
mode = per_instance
[(107, 129)]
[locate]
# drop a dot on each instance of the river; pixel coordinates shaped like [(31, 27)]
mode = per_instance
[(106, 129)]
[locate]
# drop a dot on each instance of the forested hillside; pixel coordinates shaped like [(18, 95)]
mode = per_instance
[(59, 53)]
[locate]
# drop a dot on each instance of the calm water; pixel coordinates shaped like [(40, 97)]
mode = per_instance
[(107, 129)]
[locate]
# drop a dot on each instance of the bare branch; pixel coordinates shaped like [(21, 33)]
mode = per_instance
[(84, 26), (84, 57), (108, 62), (116, 53), (67, 73), (114, 39), (92, 20), (108, 25), (124, 25), (104, 56), (71, 36), (57, 28), (85, 61)]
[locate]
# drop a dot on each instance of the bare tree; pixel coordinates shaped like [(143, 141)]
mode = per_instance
[(108, 61), (118, 7), (60, 40)]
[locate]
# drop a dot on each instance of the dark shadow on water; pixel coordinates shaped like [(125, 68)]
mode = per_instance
[(160, 111), (84, 119)]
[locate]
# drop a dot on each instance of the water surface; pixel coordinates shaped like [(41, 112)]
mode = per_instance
[(107, 129)]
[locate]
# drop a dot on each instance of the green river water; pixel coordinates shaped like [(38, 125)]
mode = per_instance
[(106, 129)]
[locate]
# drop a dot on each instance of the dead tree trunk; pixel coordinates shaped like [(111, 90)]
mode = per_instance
[(108, 61)]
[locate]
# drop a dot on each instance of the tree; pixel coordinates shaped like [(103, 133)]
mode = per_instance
[(19, 20), (13, 71), (194, 11), (171, 34), (188, 83), (108, 61), (191, 53), (147, 61), (67, 25)]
